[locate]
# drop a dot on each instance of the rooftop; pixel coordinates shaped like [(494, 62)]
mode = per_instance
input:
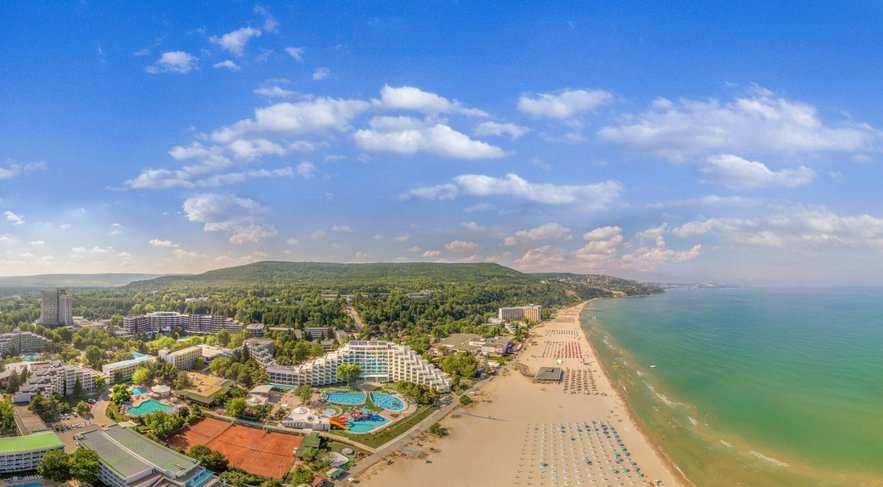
[(549, 374), (38, 441), (117, 446)]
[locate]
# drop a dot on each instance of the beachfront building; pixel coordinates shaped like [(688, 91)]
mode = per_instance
[(129, 459), (191, 324), (533, 312), (19, 341), (497, 346), (122, 371), (377, 360), (56, 307), (56, 378), (24, 452)]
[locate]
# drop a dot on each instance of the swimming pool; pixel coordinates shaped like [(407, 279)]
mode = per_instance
[(347, 398), (148, 407), (31, 357), (138, 390), (283, 386), (366, 425), (36, 484), (329, 412), (387, 401)]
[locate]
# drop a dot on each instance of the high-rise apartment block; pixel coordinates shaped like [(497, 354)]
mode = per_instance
[(56, 307)]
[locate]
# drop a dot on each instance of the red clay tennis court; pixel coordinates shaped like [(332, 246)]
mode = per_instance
[(259, 452)]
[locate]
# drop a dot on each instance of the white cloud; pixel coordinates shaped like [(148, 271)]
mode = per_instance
[(590, 196), (307, 169), (37, 242), (155, 242), (602, 244), (251, 149), (646, 259), (408, 136), (270, 22), (274, 92), (565, 104), (304, 117), (431, 254), (295, 52), (227, 64), (238, 217), (292, 241), (413, 249), (462, 246), (760, 123), (496, 128), (341, 229), (173, 62), (235, 41), (412, 98), (321, 73), (12, 168), (11, 217), (318, 235), (547, 231), (115, 229), (737, 173), (401, 238)]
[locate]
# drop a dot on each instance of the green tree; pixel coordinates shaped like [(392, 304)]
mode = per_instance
[(304, 392), (460, 364), (7, 415), (83, 407), (84, 465), (223, 338), (142, 376), (236, 407), (120, 395), (348, 373), (465, 400), (78, 388), (100, 383), (55, 465), (94, 357), (438, 430)]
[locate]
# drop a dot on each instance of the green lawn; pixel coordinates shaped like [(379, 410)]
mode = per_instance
[(390, 433)]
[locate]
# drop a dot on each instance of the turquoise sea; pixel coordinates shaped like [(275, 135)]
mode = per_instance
[(753, 386)]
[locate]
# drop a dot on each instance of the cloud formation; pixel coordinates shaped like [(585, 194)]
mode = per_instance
[(415, 99), (564, 104), (240, 218), (408, 136), (235, 41), (173, 62), (737, 173)]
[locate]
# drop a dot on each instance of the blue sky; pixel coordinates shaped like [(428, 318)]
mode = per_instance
[(660, 140)]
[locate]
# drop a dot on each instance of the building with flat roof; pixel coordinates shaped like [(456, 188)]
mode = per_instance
[(191, 324), (205, 388), (56, 307), (25, 451), (255, 329), (123, 370), (533, 312), (378, 361), (549, 374), (129, 459), (18, 341)]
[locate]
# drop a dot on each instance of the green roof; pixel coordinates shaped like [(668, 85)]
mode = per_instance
[(39, 441), (149, 453)]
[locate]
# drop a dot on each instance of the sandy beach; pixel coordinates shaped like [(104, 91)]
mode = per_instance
[(519, 432)]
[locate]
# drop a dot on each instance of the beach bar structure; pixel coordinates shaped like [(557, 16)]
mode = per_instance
[(548, 375)]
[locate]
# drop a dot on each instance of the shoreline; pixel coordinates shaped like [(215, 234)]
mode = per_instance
[(497, 440), (646, 431)]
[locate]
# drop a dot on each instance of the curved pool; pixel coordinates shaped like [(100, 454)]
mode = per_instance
[(138, 390), (148, 407), (346, 398), (387, 401)]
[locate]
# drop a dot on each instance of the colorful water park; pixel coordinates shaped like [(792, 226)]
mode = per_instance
[(358, 421), (362, 412)]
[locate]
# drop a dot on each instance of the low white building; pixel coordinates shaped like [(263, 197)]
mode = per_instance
[(306, 419), (123, 370)]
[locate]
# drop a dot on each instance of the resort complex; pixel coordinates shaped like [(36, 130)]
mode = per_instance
[(377, 361), (191, 324), (184, 358), (56, 378), (128, 459), (19, 341)]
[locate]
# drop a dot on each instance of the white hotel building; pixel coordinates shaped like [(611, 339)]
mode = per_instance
[(533, 312), (124, 369), (166, 321), (378, 361)]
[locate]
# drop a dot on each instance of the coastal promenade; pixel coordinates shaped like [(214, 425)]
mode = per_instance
[(524, 433)]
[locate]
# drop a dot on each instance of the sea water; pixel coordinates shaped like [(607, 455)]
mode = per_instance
[(753, 386)]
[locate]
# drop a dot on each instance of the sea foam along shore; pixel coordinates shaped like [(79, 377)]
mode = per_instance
[(496, 440)]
